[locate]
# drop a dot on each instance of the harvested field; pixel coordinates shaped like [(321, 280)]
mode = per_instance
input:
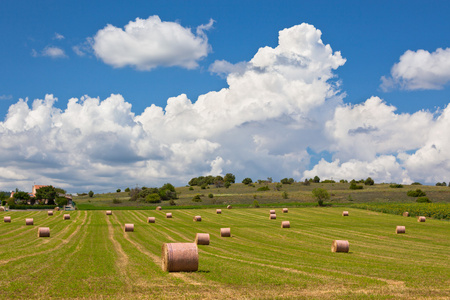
[(92, 257)]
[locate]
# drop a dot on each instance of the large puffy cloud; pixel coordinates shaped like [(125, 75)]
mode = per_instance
[(420, 70), (384, 168), (147, 44), (372, 128), (279, 106), (274, 108), (370, 139)]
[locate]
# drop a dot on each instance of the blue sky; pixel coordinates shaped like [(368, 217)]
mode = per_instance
[(371, 35)]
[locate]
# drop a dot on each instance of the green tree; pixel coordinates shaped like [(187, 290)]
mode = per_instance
[(21, 196), (247, 181), (153, 198), (287, 180), (369, 181), (127, 190), (229, 178), (61, 201), (60, 191), (91, 194), (316, 179), (320, 194), (47, 193), (118, 190)]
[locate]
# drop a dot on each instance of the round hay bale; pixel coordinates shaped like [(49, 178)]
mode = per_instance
[(129, 227), (168, 215), (50, 213), (229, 207), (7, 219), (285, 224), (108, 213), (56, 208), (225, 232), (29, 221), (158, 208), (421, 219), (272, 216), (2, 208), (151, 220), (179, 257), (202, 238), (272, 211), (43, 232), (218, 211), (285, 210), (197, 219), (66, 217), (400, 229), (406, 214), (340, 246), (345, 213)]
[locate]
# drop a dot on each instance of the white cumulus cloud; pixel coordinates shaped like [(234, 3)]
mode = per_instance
[(420, 70), (278, 106), (148, 43), (273, 109)]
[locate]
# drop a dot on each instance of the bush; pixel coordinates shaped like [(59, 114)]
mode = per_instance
[(416, 193), (197, 198), (287, 180), (247, 181), (423, 200), (134, 194), (227, 184), (328, 181), (320, 194), (61, 201), (172, 202), (255, 203), (369, 181), (210, 195), (441, 184), (118, 190), (127, 190), (16, 206), (153, 198), (263, 188), (354, 186), (11, 201), (306, 182), (396, 186), (284, 195), (191, 188), (91, 194), (416, 183), (316, 179), (116, 201), (203, 187)]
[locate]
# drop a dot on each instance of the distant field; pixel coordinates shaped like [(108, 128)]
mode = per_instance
[(298, 194), (90, 256)]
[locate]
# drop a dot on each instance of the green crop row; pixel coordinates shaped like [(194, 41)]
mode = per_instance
[(18, 206), (431, 210)]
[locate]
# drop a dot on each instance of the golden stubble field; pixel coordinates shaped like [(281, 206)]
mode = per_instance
[(90, 256)]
